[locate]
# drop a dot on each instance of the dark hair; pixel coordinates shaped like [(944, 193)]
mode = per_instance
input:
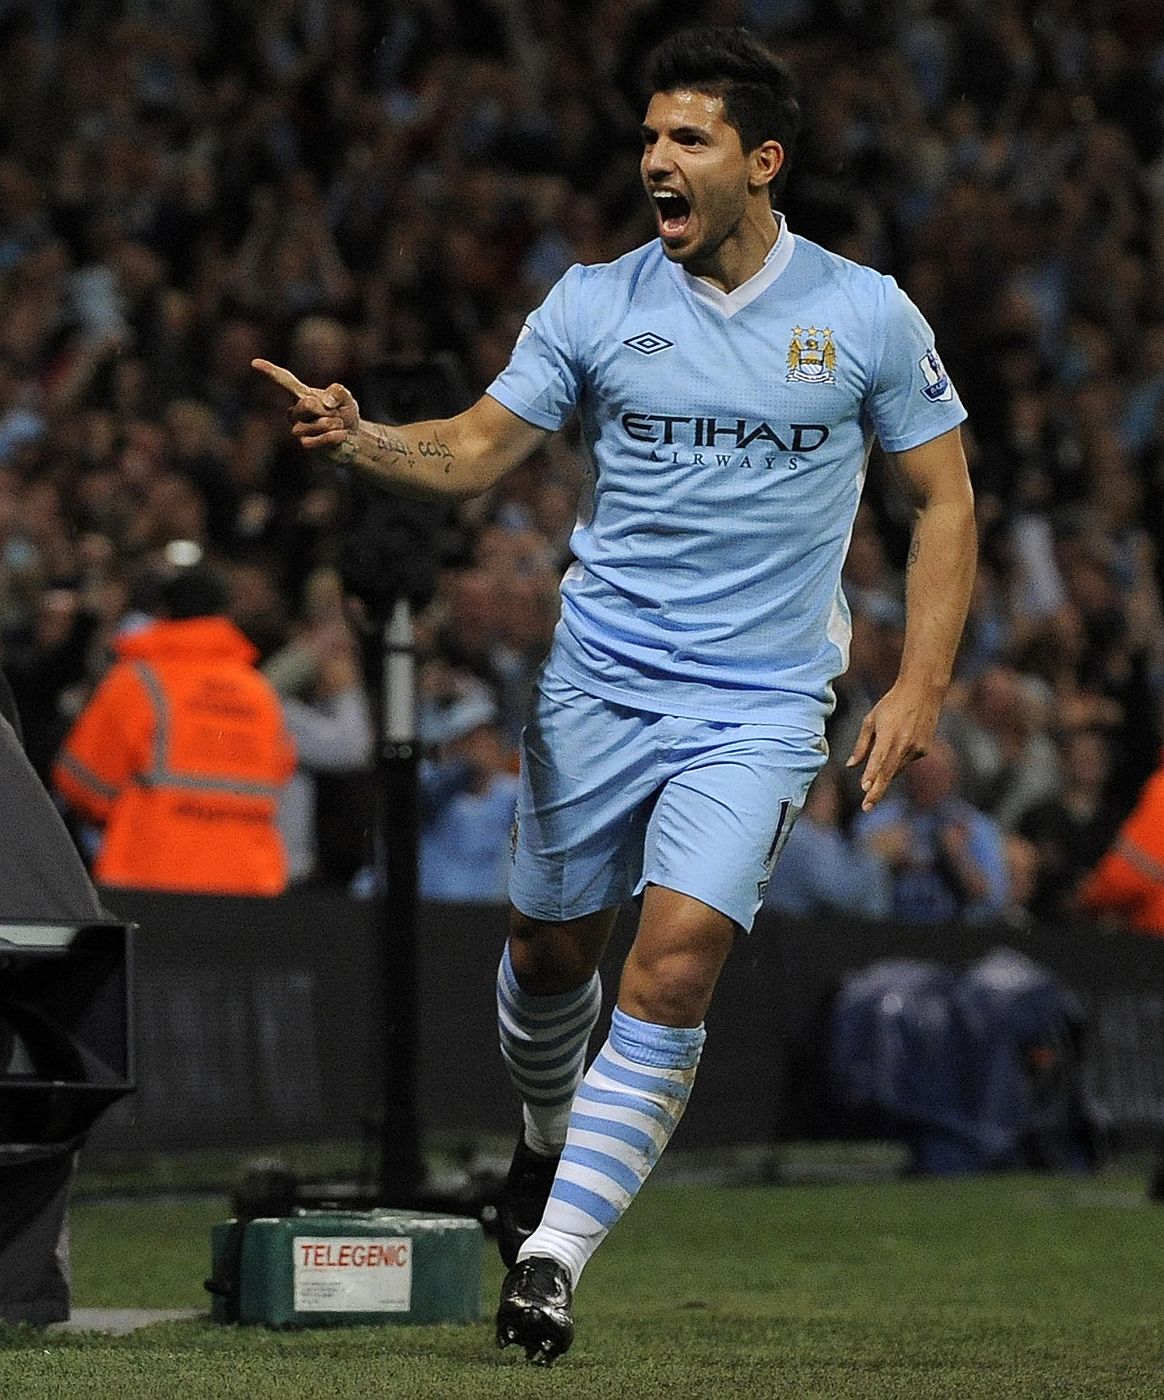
[(194, 592), (757, 87)]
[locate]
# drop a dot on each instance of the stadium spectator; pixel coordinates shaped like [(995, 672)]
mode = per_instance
[(947, 858), (465, 626), (1007, 760), (182, 753), (468, 799), (1126, 887), (325, 705), (1072, 830)]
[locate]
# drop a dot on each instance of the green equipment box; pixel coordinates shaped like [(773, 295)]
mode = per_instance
[(319, 1268)]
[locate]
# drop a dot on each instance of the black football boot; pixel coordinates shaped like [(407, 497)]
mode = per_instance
[(535, 1310)]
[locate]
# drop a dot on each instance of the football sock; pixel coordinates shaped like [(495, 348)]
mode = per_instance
[(624, 1113), (543, 1043)]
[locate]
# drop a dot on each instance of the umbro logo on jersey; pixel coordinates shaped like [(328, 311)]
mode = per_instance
[(648, 343)]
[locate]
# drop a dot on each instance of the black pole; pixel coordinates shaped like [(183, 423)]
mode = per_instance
[(389, 562), (398, 823)]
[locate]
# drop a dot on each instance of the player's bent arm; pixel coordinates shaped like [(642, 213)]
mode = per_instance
[(939, 576), (943, 555), (458, 457)]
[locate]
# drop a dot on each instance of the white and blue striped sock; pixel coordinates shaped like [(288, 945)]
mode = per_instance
[(543, 1043), (624, 1114)]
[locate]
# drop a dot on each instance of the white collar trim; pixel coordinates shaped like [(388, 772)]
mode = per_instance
[(728, 303)]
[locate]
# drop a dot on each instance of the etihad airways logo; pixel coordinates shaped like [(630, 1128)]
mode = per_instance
[(670, 430), (692, 441)]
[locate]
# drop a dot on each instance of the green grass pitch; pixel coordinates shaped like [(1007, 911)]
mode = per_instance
[(997, 1287)]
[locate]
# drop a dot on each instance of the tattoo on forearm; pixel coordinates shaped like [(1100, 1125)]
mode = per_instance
[(391, 445), (386, 445), (911, 557), (434, 447), (383, 448)]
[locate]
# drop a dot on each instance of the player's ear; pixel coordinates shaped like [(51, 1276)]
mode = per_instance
[(766, 162)]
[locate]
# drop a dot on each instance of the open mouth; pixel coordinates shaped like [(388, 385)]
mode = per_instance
[(673, 210)]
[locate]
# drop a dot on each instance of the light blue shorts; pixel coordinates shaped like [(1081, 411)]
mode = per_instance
[(614, 799)]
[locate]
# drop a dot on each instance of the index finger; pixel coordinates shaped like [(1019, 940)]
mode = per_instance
[(283, 377)]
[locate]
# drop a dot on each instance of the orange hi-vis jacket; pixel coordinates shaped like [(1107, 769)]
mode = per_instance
[(181, 755), (1129, 880)]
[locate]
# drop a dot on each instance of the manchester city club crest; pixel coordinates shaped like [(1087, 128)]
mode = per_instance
[(812, 355)]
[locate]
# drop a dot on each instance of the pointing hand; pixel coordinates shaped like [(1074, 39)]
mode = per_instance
[(319, 417)]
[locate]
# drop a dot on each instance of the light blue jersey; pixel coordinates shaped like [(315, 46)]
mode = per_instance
[(729, 434)]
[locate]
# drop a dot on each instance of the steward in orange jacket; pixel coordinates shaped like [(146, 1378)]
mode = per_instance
[(1129, 880), (181, 755)]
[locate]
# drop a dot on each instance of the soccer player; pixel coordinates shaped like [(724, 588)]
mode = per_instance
[(730, 379)]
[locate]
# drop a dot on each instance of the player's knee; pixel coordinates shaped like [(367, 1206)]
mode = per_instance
[(672, 989), (549, 958)]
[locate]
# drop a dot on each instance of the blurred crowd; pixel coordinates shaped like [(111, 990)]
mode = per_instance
[(356, 190)]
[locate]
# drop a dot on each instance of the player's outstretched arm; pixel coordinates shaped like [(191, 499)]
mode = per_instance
[(939, 576), (459, 456)]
